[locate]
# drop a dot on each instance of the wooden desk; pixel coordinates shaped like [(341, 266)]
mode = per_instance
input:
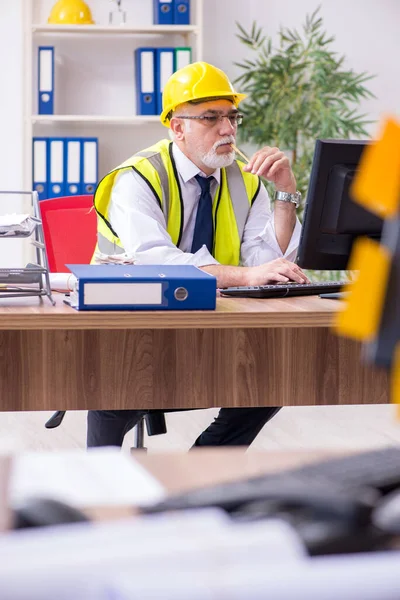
[(246, 353)]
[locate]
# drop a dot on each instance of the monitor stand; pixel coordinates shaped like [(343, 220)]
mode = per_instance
[(335, 295)]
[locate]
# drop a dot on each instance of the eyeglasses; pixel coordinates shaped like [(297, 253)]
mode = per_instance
[(211, 120)]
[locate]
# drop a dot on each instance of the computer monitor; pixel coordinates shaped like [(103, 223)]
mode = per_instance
[(332, 220)]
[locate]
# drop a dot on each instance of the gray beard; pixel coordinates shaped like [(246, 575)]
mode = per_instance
[(218, 161)]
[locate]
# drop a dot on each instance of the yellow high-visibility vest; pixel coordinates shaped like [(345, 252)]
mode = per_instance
[(156, 165)]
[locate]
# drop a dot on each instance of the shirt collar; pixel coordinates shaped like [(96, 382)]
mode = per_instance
[(187, 169)]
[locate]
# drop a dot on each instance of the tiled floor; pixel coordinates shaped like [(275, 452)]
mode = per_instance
[(300, 427)]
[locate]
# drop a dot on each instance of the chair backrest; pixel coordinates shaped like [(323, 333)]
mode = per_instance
[(69, 229)]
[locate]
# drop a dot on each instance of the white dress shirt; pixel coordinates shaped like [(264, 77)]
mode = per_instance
[(140, 223)]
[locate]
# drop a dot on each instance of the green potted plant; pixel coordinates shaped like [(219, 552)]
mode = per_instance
[(298, 92)]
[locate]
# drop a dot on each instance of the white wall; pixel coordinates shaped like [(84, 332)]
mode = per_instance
[(11, 96), (367, 32), (12, 252)]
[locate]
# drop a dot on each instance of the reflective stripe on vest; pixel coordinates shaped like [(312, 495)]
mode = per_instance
[(237, 191), (157, 162)]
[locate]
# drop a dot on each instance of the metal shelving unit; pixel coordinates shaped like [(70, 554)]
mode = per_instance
[(33, 280)]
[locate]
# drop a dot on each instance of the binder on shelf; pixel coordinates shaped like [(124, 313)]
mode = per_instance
[(183, 57), (142, 287), (182, 12), (73, 166), (165, 59), (145, 81), (46, 80), (89, 165), (39, 166), (163, 12), (56, 168)]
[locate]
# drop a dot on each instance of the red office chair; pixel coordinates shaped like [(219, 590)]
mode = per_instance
[(70, 232), (70, 229)]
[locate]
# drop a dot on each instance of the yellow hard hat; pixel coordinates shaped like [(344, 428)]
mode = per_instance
[(70, 12), (194, 82)]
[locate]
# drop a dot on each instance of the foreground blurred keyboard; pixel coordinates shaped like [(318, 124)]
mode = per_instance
[(330, 503), (337, 480), (282, 290)]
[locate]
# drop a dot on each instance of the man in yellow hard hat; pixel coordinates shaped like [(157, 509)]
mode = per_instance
[(188, 201)]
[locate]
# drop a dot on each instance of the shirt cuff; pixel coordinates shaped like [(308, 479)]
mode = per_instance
[(268, 235), (202, 258)]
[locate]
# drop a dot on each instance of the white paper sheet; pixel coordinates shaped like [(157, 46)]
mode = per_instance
[(13, 219), (366, 576), (98, 477), (162, 553), (197, 555)]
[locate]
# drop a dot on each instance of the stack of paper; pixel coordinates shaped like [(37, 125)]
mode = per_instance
[(16, 224), (99, 477), (165, 556), (117, 259)]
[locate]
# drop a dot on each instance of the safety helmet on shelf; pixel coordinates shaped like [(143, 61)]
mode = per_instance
[(70, 12)]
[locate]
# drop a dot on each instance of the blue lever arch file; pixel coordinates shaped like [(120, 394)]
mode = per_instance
[(89, 165), (145, 81), (73, 157), (182, 12), (163, 12), (142, 287), (56, 167), (165, 58), (46, 80), (39, 167)]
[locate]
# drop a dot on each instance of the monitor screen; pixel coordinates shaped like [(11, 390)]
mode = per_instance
[(332, 220)]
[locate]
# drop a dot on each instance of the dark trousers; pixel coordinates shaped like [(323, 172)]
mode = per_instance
[(232, 426)]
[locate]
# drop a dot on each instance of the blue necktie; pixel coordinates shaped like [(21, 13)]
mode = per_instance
[(204, 229)]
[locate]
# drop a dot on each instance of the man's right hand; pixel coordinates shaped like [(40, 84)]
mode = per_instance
[(279, 270)]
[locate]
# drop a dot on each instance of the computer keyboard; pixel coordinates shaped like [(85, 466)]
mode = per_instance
[(339, 480), (283, 290), (330, 504), (379, 469)]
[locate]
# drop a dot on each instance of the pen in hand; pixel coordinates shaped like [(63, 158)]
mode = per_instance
[(236, 149)]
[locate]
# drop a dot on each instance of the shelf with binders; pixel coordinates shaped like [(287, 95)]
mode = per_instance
[(94, 82), (134, 17), (70, 84), (115, 144), (64, 166)]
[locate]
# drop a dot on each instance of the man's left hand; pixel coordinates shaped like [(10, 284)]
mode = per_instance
[(273, 165)]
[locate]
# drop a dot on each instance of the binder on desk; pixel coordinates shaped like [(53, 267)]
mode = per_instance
[(89, 165), (140, 287), (165, 58), (182, 12), (183, 57), (46, 80), (73, 166), (145, 81), (39, 166), (163, 12), (56, 170)]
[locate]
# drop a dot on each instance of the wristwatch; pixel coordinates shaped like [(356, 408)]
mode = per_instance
[(287, 197)]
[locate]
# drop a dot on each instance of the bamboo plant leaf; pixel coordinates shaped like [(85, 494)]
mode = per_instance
[(298, 91)]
